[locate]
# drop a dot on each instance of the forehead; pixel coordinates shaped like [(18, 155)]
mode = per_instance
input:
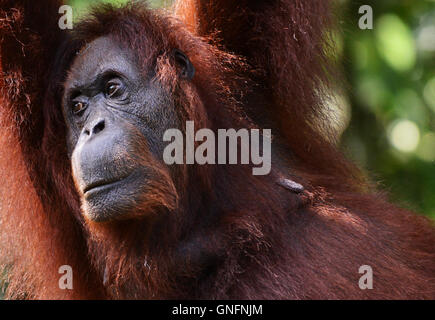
[(98, 56)]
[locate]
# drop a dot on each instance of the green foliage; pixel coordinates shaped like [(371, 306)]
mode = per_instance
[(3, 281), (392, 97)]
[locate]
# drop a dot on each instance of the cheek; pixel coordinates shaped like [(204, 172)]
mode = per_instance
[(71, 142), (158, 115), (72, 132)]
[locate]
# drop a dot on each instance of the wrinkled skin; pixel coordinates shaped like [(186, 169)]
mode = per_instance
[(113, 112)]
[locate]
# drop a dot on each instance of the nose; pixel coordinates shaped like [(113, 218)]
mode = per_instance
[(95, 127)]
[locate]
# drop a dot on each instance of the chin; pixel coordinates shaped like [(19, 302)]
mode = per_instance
[(116, 200), (134, 197)]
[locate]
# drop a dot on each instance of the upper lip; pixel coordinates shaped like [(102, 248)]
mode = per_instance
[(95, 185), (100, 183)]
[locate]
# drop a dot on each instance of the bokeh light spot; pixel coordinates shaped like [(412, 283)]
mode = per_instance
[(429, 93), (395, 42), (426, 149), (404, 135)]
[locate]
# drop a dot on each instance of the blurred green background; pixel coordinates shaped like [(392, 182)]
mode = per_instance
[(387, 114), (391, 75)]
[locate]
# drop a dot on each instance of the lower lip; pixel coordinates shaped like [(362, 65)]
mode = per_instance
[(103, 187)]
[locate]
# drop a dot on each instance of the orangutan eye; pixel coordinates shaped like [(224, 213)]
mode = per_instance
[(113, 89), (78, 107)]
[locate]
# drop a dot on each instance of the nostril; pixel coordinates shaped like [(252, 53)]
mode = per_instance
[(99, 127)]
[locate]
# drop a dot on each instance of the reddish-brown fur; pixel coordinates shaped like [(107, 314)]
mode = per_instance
[(232, 235)]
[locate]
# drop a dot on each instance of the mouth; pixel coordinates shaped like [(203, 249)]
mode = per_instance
[(102, 185)]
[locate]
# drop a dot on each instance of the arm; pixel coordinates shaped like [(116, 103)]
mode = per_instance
[(29, 38), (285, 38), (286, 42)]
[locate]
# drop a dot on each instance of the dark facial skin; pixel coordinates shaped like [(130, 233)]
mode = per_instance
[(114, 115)]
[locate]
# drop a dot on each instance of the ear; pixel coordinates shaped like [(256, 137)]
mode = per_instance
[(187, 70)]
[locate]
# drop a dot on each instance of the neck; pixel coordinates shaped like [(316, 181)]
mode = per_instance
[(202, 234)]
